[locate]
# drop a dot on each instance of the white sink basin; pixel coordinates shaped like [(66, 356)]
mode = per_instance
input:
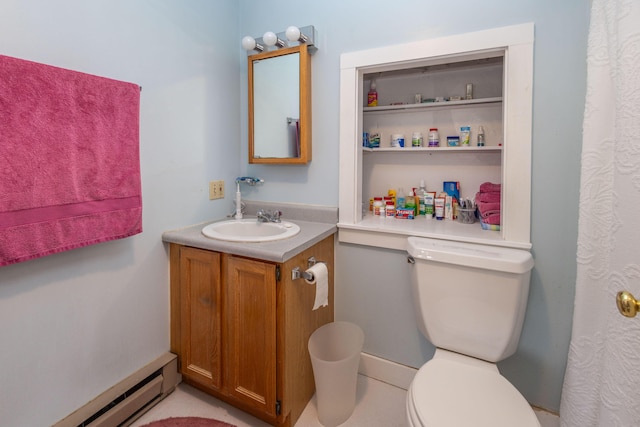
[(250, 230)]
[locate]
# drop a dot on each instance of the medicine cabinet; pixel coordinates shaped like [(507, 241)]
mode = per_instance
[(280, 106), (498, 66)]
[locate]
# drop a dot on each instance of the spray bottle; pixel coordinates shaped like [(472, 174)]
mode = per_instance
[(372, 97)]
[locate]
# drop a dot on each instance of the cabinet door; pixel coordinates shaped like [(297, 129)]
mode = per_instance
[(251, 327), (201, 316)]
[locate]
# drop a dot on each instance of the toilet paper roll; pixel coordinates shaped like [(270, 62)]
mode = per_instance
[(321, 280)]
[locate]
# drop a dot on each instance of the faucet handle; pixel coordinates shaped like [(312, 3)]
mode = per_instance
[(268, 215)]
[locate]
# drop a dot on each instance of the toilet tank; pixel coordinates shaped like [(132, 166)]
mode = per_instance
[(470, 298)]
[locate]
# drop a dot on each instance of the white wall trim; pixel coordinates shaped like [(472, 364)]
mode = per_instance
[(386, 371)]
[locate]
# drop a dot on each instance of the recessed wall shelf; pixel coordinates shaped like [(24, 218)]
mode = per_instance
[(469, 149), (499, 65), (428, 105)]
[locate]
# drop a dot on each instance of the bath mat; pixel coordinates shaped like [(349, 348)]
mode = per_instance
[(188, 422)]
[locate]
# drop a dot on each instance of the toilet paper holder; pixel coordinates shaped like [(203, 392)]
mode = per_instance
[(297, 273)]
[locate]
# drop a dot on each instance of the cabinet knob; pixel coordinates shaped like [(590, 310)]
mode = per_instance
[(627, 304)]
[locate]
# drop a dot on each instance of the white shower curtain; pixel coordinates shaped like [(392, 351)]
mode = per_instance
[(602, 381)]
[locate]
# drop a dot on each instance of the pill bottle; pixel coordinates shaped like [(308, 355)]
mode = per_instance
[(390, 210), (416, 139), (378, 206), (434, 137)]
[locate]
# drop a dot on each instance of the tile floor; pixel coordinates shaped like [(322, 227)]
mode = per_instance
[(377, 404)]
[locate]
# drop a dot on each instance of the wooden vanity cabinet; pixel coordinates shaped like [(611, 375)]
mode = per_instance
[(240, 327)]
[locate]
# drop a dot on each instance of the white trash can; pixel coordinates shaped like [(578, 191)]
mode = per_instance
[(335, 355)]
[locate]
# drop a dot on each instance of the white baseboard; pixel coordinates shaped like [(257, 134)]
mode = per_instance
[(386, 371)]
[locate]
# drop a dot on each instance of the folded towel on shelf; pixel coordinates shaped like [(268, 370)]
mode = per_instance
[(69, 160), (488, 208), (492, 197), (487, 187), (492, 219)]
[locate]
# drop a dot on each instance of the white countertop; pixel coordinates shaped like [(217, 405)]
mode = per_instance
[(276, 251)]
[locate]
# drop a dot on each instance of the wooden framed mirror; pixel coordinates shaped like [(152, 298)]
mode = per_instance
[(280, 106)]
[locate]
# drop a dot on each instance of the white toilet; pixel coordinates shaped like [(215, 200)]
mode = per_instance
[(470, 301)]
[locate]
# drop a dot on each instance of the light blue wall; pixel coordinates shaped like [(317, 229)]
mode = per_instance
[(372, 283), (75, 323)]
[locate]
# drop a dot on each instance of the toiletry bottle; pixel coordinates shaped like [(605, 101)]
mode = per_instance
[(420, 195), (372, 97), (400, 198), (390, 210), (481, 136), (392, 193), (439, 207), (429, 203), (434, 137), (410, 202), (378, 206)]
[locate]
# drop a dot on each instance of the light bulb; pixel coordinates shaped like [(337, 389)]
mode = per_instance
[(248, 43), (293, 33), (270, 38)]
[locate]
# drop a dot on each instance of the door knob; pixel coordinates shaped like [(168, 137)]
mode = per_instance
[(627, 304)]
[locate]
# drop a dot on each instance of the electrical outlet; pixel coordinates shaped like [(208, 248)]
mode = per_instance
[(216, 190)]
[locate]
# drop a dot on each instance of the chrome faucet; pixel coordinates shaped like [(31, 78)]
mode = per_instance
[(268, 216), (247, 180)]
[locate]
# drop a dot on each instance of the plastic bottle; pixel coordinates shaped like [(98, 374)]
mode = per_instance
[(410, 202), (420, 195), (392, 194), (416, 139), (400, 198), (465, 135), (481, 136), (434, 137), (390, 210), (372, 97), (378, 206)]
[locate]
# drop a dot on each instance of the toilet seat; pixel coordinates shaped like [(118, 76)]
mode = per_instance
[(453, 390)]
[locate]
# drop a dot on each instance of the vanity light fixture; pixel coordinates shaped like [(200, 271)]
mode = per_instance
[(249, 44), (272, 41)]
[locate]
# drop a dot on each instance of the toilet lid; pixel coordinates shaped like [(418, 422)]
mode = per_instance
[(453, 394)]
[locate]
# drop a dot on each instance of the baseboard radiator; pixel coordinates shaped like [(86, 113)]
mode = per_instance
[(126, 401)]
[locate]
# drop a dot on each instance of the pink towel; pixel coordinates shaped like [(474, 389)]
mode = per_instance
[(492, 219), (491, 197), (488, 208), (69, 160), (488, 187)]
